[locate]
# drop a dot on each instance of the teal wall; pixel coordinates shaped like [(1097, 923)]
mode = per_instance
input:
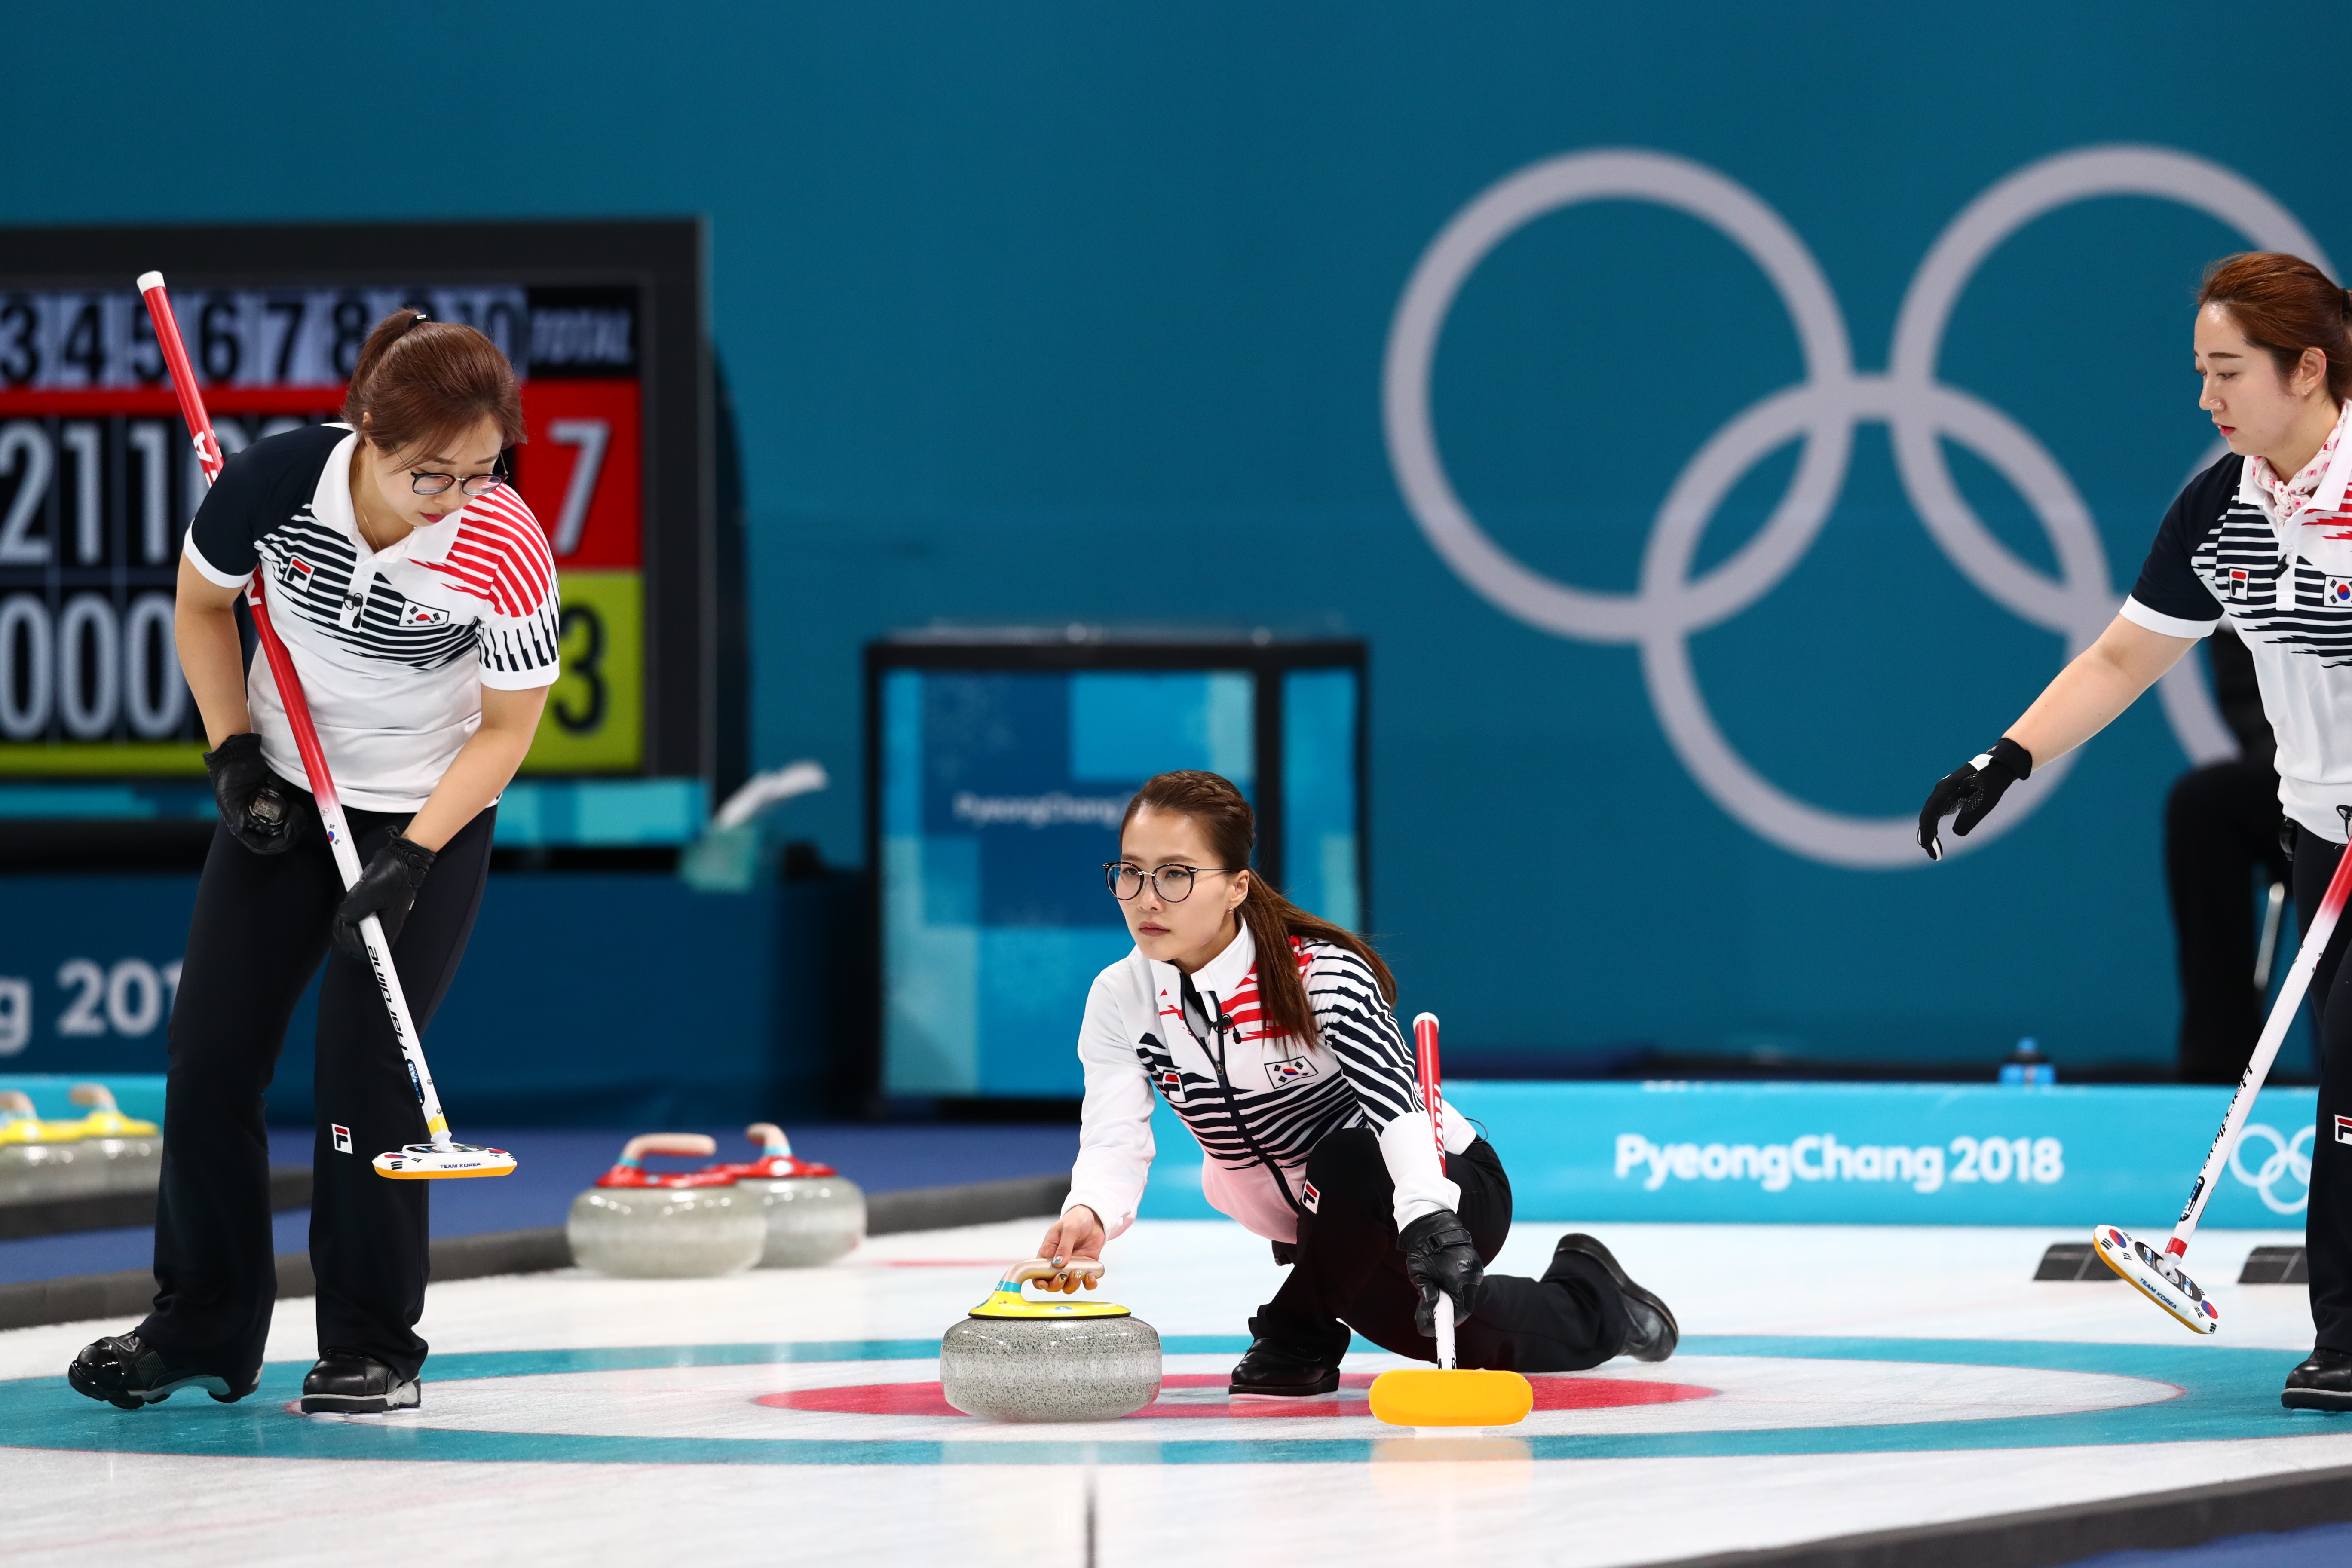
[(1067, 312)]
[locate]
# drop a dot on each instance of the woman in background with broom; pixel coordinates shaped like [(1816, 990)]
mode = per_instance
[(2265, 538)]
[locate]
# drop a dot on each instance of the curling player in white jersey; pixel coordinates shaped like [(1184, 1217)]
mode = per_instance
[(417, 597), (2262, 538), (1273, 1033)]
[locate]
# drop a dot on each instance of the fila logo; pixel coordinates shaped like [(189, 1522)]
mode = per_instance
[(2344, 1130), (2234, 584), (416, 614), (296, 574), (2337, 593), (1171, 1084), (1310, 1197), (1291, 1071), (342, 1138)]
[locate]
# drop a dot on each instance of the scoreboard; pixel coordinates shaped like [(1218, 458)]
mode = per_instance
[(98, 480)]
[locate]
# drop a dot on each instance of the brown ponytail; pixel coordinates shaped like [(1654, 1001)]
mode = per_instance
[(2284, 304), (1227, 821), (422, 382)]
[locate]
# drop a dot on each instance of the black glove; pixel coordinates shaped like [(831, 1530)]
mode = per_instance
[(258, 805), (1439, 1256), (1972, 790), (386, 888)]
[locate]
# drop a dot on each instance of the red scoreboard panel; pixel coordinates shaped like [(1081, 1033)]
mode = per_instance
[(97, 481)]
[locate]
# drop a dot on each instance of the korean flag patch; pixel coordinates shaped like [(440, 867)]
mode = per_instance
[(412, 614), (1291, 1071), (2339, 592)]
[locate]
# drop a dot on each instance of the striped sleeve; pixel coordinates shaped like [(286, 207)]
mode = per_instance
[(502, 556), (1355, 1023), (1357, 1027)]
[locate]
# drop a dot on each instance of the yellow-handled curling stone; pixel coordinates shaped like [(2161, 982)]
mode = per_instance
[(126, 1152), (1016, 1359), (1446, 1396), (43, 1159), (642, 1225)]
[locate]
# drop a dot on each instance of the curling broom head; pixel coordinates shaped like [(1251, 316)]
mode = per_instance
[(423, 1163), (1435, 1397), (2157, 1276)]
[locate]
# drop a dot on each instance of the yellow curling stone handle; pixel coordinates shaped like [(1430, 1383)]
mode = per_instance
[(1007, 1301), (105, 1119)]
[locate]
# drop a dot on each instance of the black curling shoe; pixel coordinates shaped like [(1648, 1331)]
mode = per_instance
[(347, 1384), (1271, 1372), (129, 1373), (2323, 1382), (1652, 1333)]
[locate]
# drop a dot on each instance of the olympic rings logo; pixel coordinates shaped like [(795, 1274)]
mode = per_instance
[(2291, 1159), (1824, 411)]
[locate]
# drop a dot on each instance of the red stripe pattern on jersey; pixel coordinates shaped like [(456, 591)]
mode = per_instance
[(499, 556)]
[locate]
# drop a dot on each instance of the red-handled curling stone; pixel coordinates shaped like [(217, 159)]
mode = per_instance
[(814, 1213), (652, 1225)]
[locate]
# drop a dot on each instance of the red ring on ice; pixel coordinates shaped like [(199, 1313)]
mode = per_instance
[(1553, 1392)]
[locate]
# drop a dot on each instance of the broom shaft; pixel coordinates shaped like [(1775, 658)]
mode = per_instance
[(2266, 1050)]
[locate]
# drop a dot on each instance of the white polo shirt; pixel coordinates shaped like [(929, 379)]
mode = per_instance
[(2286, 588), (393, 646)]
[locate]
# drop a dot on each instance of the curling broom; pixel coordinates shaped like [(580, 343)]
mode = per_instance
[(2158, 1276), (1448, 1395)]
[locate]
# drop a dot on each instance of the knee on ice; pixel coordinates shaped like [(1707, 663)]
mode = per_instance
[(1811, 1158)]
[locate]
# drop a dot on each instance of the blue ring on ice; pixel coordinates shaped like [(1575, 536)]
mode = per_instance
[(2226, 1392)]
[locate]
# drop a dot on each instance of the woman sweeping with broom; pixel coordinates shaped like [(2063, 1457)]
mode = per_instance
[(2265, 538), (1272, 1033), (417, 596)]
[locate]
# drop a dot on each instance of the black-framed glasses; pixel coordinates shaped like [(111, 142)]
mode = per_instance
[(472, 486), (1125, 880)]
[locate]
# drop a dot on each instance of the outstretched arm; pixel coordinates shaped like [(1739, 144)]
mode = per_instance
[(2095, 686)]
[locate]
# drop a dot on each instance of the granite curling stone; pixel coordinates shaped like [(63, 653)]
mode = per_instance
[(814, 1213), (127, 1153), (42, 1160), (1014, 1359), (642, 1225)]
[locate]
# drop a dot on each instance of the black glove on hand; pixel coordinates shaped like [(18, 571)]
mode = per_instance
[(1972, 790), (387, 889), (258, 805), (1439, 1256)]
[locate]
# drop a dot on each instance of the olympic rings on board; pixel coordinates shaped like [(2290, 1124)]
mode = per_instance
[(1822, 411)]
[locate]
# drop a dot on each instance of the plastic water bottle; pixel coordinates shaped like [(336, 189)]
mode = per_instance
[(2027, 1066)]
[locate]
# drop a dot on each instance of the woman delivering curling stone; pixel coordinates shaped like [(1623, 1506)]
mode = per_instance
[(1271, 1033), (416, 595), (2265, 538)]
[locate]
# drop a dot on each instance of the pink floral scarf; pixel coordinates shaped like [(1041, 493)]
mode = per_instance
[(2291, 498)]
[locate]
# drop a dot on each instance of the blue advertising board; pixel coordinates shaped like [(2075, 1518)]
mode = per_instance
[(587, 999), (1859, 1153), (1000, 793)]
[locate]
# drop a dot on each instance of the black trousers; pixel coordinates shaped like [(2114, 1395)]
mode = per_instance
[(2221, 823), (259, 932), (2327, 1225), (1349, 1274)]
